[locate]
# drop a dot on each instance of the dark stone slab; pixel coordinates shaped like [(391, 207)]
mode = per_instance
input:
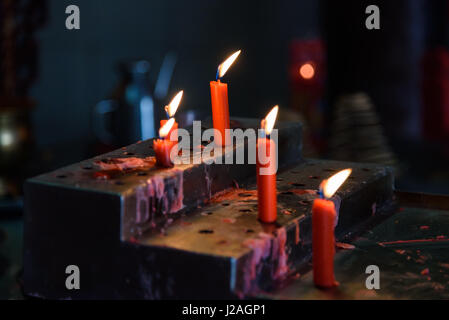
[(234, 255), (218, 251), (81, 215)]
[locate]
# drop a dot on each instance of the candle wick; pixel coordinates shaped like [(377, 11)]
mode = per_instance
[(217, 77), (321, 193)]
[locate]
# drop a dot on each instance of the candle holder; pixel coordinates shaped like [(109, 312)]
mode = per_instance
[(139, 232)]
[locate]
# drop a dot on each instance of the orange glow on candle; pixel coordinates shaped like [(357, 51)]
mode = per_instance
[(266, 183), (324, 217), (220, 104)]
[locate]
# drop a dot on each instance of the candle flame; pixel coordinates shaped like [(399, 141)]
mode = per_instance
[(223, 68), (165, 129), (331, 185), (270, 119), (174, 104)]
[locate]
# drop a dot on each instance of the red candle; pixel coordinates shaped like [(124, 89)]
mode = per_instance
[(171, 109), (220, 103), (266, 171), (324, 217), (163, 147)]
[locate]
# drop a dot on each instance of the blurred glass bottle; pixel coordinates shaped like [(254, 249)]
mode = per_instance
[(130, 114)]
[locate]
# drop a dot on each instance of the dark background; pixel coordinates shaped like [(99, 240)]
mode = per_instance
[(75, 69)]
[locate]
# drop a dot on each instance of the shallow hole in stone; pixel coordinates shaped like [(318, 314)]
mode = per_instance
[(330, 170), (304, 202), (295, 172), (119, 183), (142, 174), (245, 195), (287, 193), (128, 153), (209, 213), (314, 177), (245, 210), (206, 231), (250, 231), (225, 204), (61, 176), (366, 169), (298, 184), (279, 179), (87, 167)]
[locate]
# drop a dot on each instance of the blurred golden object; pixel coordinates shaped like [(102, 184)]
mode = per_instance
[(15, 141)]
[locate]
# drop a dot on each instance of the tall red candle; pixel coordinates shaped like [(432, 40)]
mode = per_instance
[(163, 147), (220, 103), (266, 171), (324, 217), (220, 111)]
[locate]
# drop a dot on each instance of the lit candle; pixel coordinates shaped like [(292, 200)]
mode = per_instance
[(220, 104), (163, 146), (171, 111), (266, 181), (324, 219)]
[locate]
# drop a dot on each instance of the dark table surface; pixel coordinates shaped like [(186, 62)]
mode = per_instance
[(411, 250)]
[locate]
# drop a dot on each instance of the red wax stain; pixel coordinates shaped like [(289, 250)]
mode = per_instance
[(444, 265), (441, 237), (234, 195), (222, 242), (102, 175), (345, 246), (229, 220), (286, 212), (424, 227), (122, 164), (133, 240), (279, 242), (303, 191), (374, 209), (297, 232), (185, 223), (400, 251), (425, 272), (399, 242), (420, 261), (267, 248)]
